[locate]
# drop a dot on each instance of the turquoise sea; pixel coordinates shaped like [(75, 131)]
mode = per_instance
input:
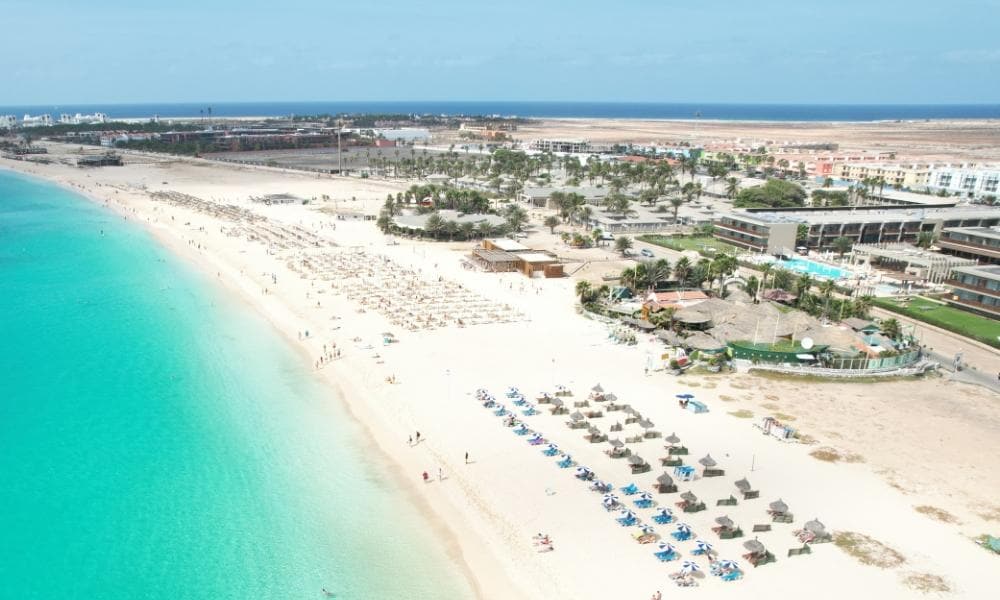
[(159, 440)]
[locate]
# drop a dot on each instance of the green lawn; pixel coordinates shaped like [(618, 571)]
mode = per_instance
[(946, 317), (707, 245)]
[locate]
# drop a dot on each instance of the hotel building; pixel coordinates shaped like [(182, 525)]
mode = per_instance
[(979, 243), (976, 289), (774, 231)]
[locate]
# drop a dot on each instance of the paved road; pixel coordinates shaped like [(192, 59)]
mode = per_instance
[(982, 363)]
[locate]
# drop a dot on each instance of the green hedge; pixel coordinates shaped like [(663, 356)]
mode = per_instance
[(982, 329)]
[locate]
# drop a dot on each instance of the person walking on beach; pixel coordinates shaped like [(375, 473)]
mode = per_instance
[(418, 437), (426, 477), (466, 458), (440, 474), (409, 441)]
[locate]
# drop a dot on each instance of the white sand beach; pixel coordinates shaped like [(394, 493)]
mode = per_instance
[(885, 449)]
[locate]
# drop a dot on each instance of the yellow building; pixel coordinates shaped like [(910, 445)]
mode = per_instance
[(903, 175)]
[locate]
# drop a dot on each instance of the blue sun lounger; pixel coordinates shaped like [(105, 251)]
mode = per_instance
[(627, 521), (550, 451), (732, 576), (643, 503), (565, 463), (663, 519), (630, 489)]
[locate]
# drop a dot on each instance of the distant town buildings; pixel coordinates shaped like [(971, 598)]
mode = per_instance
[(36, 121), (8, 121), (569, 146), (79, 119)]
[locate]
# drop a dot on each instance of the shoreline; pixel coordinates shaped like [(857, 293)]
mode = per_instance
[(492, 506), (335, 381)]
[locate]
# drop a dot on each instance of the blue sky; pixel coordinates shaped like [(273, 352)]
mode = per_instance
[(836, 51)]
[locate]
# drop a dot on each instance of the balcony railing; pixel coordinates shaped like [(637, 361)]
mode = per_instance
[(759, 234), (732, 238), (979, 289), (983, 249)]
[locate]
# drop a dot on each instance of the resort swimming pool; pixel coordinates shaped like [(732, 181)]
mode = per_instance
[(815, 269)]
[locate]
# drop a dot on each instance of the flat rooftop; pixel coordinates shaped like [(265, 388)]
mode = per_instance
[(509, 245), (992, 233), (886, 215), (984, 271)]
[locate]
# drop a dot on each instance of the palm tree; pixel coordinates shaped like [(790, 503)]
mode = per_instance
[(828, 182), (682, 269), (551, 222), (597, 234), (925, 239), (732, 188), (765, 271), (623, 244), (826, 290), (802, 285), (842, 245), (516, 217), (583, 289), (467, 228), (891, 328), (675, 203)]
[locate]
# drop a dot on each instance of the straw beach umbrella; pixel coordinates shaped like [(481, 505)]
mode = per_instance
[(707, 462), (815, 526), (597, 389), (743, 485), (754, 546), (672, 439), (724, 522), (779, 507)]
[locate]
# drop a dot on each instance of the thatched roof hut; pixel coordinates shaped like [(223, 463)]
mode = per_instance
[(725, 522)]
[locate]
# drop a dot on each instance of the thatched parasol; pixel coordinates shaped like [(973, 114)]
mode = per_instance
[(672, 439), (597, 389), (635, 459), (708, 461), (754, 546), (646, 424), (815, 526), (616, 443), (577, 416), (725, 522), (743, 485), (779, 506), (689, 497), (665, 479)]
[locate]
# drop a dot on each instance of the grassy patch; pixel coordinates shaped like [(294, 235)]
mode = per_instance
[(726, 398), (828, 454), (742, 414), (776, 376), (825, 454), (991, 514), (936, 513), (805, 438), (867, 550), (947, 317), (783, 417), (926, 583), (704, 245), (689, 383)]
